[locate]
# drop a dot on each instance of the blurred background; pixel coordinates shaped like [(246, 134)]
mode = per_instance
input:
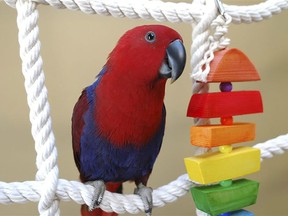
[(74, 49)]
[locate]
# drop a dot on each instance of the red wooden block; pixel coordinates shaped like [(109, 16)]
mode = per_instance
[(224, 104), (232, 65)]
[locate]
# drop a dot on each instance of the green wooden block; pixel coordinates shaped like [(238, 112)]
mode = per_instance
[(216, 199)]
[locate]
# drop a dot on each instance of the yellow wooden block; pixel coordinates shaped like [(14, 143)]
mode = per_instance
[(217, 135), (216, 166)]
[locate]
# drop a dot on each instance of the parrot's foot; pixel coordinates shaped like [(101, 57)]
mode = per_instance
[(99, 189), (146, 195)]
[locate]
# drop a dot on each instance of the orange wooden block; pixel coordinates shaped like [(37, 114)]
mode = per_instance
[(224, 104), (209, 136), (232, 65)]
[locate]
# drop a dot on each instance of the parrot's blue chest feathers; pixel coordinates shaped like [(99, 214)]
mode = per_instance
[(102, 160)]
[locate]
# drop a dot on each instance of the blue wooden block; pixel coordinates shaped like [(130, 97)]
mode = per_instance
[(241, 212), (238, 213), (225, 214)]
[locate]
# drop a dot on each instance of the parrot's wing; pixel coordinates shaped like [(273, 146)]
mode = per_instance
[(77, 125), (80, 108)]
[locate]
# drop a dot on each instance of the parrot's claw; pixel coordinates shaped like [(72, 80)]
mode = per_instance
[(146, 195), (99, 189)]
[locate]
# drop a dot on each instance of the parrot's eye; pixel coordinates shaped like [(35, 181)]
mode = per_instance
[(150, 37)]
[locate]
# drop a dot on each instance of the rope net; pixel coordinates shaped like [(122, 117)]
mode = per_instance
[(209, 29)]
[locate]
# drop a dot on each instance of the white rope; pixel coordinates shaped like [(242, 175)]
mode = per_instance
[(48, 189), (214, 42), (273, 147), (40, 119), (22, 192), (164, 11), (208, 36)]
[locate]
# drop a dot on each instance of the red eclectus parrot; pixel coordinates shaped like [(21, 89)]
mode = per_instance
[(118, 122)]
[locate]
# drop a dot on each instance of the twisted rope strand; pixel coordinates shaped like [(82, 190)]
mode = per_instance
[(216, 41), (256, 13), (40, 119), (164, 11), (22, 192), (208, 36), (272, 147)]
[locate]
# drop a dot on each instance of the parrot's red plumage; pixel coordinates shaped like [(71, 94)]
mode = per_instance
[(118, 122)]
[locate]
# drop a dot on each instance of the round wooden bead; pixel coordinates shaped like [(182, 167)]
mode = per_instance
[(225, 87), (226, 183), (226, 120), (225, 149)]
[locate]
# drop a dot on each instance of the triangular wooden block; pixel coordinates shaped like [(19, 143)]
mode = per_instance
[(232, 65)]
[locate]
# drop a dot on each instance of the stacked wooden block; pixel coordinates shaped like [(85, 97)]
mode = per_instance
[(225, 196)]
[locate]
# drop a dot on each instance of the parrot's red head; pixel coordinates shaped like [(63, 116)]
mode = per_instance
[(131, 91), (147, 53)]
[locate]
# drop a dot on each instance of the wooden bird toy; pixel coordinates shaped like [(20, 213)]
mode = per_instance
[(225, 196)]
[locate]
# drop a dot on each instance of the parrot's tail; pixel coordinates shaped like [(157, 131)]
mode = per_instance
[(110, 186)]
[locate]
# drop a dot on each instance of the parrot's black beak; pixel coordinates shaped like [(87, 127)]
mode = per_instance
[(174, 62)]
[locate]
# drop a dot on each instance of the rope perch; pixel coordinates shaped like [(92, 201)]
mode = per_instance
[(23, 192)]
